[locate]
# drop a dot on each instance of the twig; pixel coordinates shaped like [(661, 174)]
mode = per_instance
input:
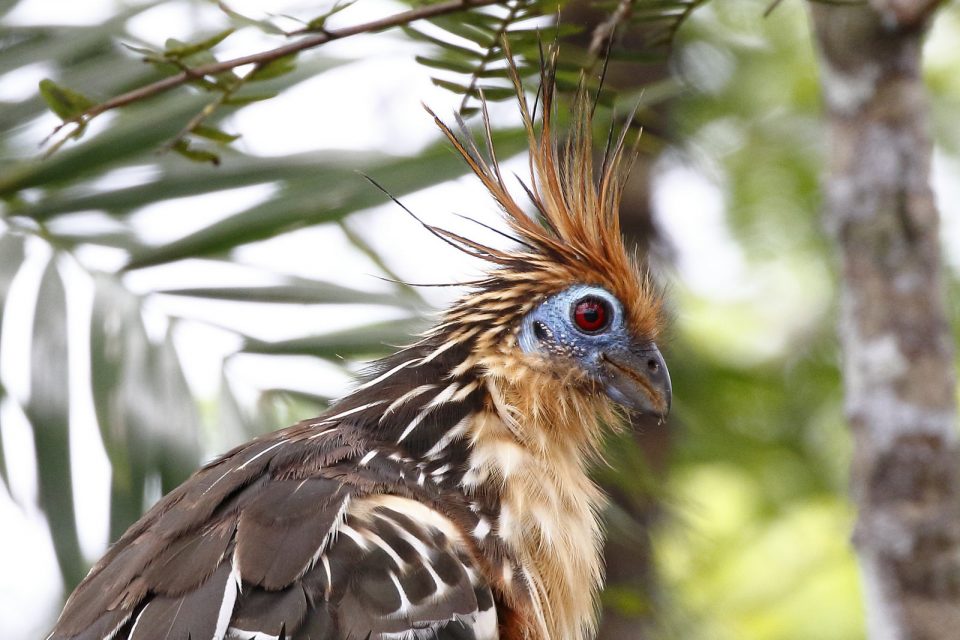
[(309, 42), (604, 32), (206, 112), (771, 8)]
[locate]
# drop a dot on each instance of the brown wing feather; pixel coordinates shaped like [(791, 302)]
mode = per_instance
[(263, 541), (201, 613)]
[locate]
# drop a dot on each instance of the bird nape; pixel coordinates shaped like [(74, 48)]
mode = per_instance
[(446, 497)]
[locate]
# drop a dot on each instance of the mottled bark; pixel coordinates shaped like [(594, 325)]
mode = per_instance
[(898, 359)]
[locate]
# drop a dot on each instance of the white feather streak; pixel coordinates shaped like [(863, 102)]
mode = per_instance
[(380, 542), (233, 633), (344, 414), (455, 432), (405, 604), (356, 536), (262, 453), (385, 375), (226, 605), (409, 395), (439, 399)]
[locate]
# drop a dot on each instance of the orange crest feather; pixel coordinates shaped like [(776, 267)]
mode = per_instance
[(575, 237)]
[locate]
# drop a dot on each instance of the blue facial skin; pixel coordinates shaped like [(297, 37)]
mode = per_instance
[(557, 334), (631, 373)]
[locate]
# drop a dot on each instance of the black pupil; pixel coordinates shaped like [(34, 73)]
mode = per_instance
[(590, 314)]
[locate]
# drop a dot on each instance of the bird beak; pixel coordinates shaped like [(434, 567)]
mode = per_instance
[(637, 378)]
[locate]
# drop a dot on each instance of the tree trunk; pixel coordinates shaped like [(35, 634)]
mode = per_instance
[(898, 360)]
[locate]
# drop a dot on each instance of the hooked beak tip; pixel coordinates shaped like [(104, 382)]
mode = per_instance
[(639, 380)]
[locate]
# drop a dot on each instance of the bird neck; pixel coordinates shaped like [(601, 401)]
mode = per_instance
[(530, 448)]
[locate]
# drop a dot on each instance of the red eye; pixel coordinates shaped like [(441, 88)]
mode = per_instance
[(590, 314)]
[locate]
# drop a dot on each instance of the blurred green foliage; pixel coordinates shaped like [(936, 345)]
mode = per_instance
[(752, 540)]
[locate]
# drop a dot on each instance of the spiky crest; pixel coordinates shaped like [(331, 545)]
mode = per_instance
[(575, 235)]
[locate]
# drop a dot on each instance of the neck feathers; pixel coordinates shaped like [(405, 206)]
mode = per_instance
[(503, 429), (533, 448)]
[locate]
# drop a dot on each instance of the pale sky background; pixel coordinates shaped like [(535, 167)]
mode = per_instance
[(389, 85)]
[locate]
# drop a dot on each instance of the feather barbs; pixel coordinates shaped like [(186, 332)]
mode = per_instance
[(574, 236)]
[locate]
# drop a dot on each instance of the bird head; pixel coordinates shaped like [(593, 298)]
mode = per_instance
[(568, 303), (587, 327)]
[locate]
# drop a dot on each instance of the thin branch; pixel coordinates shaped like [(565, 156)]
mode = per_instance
[(309, 42), (605, 31), (771, 8)]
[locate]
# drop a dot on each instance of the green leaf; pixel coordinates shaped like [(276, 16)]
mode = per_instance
[(137, 132), (366, 341), (234, 422), (182, 146), (459, 66), (468, 26), (273, 69), (327, 196), (213, 133), (181, 179), (242, 98), (317, 24), (48, 410), (493, 93), (177, 457), (176, 50), (11, 257), (455, 87), (490, 92), (263, 25), (118, 340), (447, 47), (144, 410), (296, 292), (66, 103), (150, 54)]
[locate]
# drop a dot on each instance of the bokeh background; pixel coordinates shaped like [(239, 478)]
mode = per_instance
[(156, 311)]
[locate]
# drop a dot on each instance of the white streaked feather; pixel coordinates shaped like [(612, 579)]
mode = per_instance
[(465, 390), (437, 400), (413, 424), (390, 551), (505, 522), (261, 454), (385, 375), (113, 633), (233, 633), (331, 534), (133, 629), (444, 395), (482, 529), (326, 569), (409, 395), (485, 625), (355, 535), (405, 605), (439, 350), (344, 414), (320, 434), (226, 605), (455, 432)]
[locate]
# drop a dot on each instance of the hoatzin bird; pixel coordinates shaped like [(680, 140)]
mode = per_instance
[(447, 496)]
